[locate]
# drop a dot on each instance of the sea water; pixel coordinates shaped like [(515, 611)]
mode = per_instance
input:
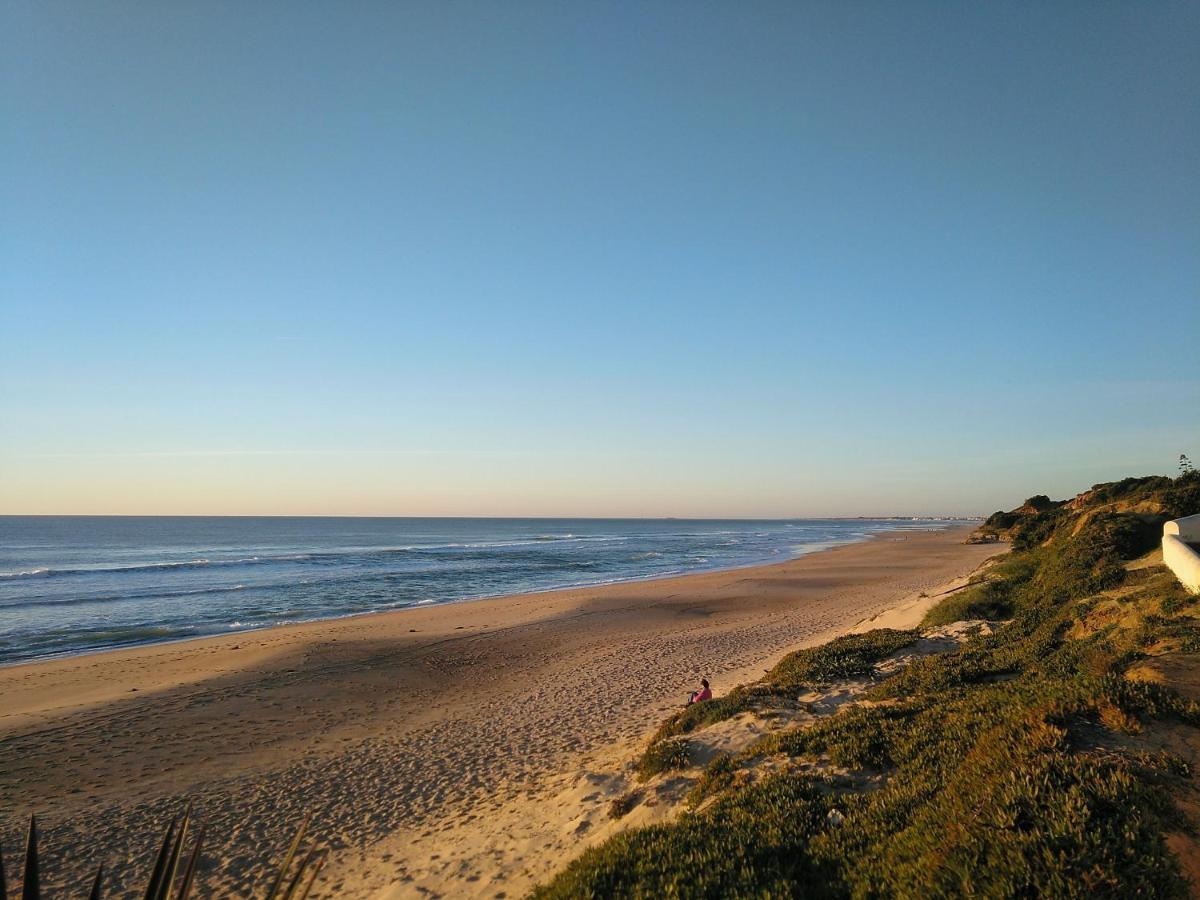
[(70, 584)]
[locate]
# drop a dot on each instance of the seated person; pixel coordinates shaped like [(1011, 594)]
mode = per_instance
[(701, 695)]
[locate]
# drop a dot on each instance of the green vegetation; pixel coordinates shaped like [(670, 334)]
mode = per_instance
[(698, 715), (1183, 495), (851, 656), (986, 600), (1015, 766), (663, 756), (622, 805), (748, 844), (719, 774)]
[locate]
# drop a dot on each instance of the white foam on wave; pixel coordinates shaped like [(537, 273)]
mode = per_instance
[(32, 573), (200, 562)]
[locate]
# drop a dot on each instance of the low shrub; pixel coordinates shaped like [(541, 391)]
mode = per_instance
[(621, 806), (993, 598), (989, 600), (1000, 520), (850, 656), (1183, 497), (1129, 489), (663, 756), (1035, 530), (1176, 599), (1092, 560)]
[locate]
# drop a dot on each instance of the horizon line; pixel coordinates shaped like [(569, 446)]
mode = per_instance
[(4, 515)]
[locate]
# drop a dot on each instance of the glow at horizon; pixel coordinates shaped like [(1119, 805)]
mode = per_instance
[(590, 260)]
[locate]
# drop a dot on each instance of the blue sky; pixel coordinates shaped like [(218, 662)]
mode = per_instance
[(594, 259)]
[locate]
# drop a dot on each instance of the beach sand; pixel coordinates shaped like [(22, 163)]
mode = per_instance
[(455, 750)]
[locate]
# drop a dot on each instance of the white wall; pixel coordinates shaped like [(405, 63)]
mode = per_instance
[(1178, 556), (1188, 528)]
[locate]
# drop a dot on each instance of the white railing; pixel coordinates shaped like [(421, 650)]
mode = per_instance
[(1178, 556)]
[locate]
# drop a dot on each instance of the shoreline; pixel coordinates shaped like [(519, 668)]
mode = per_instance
[(816, 547), (429, 746)]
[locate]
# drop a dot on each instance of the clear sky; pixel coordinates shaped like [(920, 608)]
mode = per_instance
[(574, 258)]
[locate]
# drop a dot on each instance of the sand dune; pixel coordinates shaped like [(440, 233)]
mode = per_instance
[(453, 750)]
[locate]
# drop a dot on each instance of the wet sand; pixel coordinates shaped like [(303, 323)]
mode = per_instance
[(433, 747)]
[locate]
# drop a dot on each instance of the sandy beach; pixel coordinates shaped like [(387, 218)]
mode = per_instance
[(454, 750)]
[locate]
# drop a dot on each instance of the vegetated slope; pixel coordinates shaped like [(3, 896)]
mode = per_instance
[(1041, 759)]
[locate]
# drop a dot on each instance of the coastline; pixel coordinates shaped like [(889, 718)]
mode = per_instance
[(403, 731), (251, 632), (207, 630)]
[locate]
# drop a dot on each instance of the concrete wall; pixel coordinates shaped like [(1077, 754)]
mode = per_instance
[(1188, 528), (1178, 556)]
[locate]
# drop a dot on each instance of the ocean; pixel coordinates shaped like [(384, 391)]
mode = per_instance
[(70, 584)]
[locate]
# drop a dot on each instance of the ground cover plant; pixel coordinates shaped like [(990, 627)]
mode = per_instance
[(844, 657), (1022, 764)]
